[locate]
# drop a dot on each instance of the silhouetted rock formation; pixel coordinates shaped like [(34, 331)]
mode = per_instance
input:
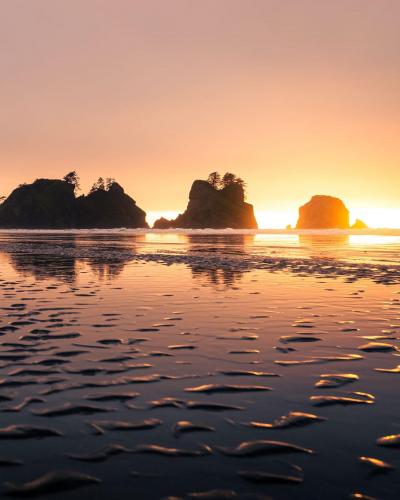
[(46, 203), (108, 208), (163, 223), (323, 212), (359, 224), (51, 204), (210, 207)]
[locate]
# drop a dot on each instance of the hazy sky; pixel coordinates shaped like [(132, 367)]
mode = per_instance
[(298, 97)]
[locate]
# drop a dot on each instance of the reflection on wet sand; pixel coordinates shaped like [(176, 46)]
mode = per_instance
[(228, 244), (219, 258), (218, 277), (64, 268), (63, 256), (44, 266), (329, 244)]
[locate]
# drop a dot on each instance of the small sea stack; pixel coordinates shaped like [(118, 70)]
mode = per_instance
[(359, 224)]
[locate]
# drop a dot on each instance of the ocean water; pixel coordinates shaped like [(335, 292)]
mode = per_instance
[(173, 364)]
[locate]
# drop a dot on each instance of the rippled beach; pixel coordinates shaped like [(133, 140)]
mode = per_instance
[(202, 364)]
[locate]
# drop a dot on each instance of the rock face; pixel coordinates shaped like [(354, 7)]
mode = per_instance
[(359, 224), (213, 208), (46, 203), (323, 212), (51, 204), (109, 208)]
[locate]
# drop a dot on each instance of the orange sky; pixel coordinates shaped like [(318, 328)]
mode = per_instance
[(297, 97)]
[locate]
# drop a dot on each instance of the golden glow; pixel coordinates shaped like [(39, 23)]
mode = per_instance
[(153, 215), (297, 98), (270, 219), (373, 239), (279, 219), (377, 217)]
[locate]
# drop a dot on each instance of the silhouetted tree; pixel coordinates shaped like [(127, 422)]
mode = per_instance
[(99, 185), (228, 179), (240, 182), (73, 179), (2, 198), (215, 180), (109, 183)]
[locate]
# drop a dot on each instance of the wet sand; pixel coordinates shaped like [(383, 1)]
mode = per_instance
[(212, 368)]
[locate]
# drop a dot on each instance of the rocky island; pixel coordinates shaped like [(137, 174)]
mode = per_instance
[(323, 212), (52, 204), (217, 203)]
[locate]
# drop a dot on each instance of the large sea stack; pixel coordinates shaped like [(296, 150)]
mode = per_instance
[(44, 204), (323, 212), (51, 204), (214, 207)]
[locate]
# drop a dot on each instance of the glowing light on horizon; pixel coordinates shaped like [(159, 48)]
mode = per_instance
[(377, 217), (153, 215), (279, 219)]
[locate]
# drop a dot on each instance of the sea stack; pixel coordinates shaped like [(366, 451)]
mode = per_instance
[(323, 212), (44, 204), (359, 224), (52, 204), (109, 208), (217, 206)]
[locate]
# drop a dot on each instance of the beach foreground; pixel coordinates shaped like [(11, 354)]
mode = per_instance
[(169, 365)]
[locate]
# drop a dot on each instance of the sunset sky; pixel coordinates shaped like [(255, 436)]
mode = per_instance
[(298, 97)]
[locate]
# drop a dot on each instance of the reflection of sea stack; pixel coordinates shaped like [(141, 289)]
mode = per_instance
[(214, 206), (323, 212)]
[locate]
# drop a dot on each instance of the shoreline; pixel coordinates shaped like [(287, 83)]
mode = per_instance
[(226, 231), (222, 259)]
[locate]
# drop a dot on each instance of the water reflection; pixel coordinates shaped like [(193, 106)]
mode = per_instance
[(228, 243), (330, 245), (232, 244), (63, 257), (66, 269), (44, 266), (218, 258), (218, 277)]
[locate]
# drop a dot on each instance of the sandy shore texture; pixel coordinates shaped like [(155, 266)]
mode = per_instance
[(213, 366)]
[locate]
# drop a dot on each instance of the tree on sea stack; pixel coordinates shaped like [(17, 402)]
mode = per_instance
[(228, 179), (214, 179), (73, 179), (99, 185), (110, 183)]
